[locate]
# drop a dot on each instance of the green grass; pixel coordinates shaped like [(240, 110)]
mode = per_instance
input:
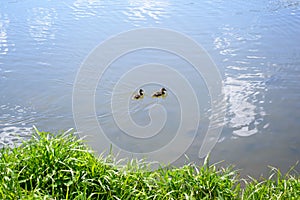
[(276, 186), (60, 166)]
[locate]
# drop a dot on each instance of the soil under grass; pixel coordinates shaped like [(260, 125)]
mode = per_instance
[(60, 166)]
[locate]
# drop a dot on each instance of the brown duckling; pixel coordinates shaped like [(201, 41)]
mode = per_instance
[(139, 95), (160, 93)]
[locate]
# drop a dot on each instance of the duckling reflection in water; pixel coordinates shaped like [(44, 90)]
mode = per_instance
[(161, 93), (139, 95)]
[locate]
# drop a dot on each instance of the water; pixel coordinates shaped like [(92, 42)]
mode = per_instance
[(255, 45)]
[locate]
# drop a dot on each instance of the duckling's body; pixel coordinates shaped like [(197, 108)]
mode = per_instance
[(140, 95), (161, 93)]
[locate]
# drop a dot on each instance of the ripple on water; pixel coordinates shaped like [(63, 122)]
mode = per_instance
[(245, 113), (87, 8), (14, 136), (15, 124), (138, 11), (244, 78), (41, 23), (275, 5), (5, 45)]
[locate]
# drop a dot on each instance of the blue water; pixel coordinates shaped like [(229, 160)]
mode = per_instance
[(254, 44)]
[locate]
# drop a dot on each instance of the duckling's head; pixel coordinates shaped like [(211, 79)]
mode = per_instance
[(163, 90), (141, 92)]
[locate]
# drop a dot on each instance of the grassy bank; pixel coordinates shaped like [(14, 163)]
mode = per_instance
[(62, 167)]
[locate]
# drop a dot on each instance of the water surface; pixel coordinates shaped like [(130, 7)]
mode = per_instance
[(255, 45)]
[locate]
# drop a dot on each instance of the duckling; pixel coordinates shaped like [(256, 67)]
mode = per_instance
[(160, 93), (139, 95)]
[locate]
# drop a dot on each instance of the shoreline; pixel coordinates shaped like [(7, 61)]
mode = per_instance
[(61, 166)]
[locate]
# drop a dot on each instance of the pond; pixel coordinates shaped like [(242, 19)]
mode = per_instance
[(253, 44)]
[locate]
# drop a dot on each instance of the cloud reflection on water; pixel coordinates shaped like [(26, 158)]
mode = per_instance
[(244, 80)]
